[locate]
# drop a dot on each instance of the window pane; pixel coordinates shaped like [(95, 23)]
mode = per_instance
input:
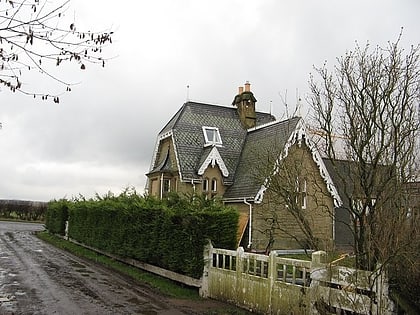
[(214, 184), (210, 134), (205, 185)]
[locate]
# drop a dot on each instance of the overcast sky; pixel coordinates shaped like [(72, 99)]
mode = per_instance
[(102, 135)]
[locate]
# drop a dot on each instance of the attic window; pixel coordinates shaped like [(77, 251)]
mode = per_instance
[(212, 136)]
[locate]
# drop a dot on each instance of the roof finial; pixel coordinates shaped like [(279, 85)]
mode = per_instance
[(188, 93)]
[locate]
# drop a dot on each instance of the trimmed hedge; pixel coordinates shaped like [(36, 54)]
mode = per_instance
[(168, 233), (56, 216)]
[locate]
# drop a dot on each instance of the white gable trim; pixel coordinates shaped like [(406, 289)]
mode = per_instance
[(155, 152), (213, 158), (159, 140), (297, 136)]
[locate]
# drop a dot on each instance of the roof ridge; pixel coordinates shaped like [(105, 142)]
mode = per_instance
[(275, 122)]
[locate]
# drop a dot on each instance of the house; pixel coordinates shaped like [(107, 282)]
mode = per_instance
[(267, 169)]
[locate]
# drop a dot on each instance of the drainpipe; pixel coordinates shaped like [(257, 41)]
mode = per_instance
[(193, 184), (333, 223), (250, 223)]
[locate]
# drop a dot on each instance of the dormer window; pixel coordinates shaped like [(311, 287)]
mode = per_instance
[(212, 136)]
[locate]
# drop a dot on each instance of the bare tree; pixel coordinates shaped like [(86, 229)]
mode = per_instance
[(372, 98), (33, 37)]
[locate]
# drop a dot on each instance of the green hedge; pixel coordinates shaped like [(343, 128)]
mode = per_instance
[(56, 216), (170, 233)]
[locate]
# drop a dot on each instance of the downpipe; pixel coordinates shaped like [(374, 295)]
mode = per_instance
[(250, 223)]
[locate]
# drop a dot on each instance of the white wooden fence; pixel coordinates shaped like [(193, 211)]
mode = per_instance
[(275, 285)]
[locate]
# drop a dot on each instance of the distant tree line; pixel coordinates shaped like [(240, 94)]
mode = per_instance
[(23, 210)]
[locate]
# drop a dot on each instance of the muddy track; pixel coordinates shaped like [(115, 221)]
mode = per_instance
[(36, 278)]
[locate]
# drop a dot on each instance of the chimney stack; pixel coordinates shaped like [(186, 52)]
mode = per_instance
[(245, 103)]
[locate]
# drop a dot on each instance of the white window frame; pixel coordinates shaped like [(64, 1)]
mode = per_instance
[(301, 195), (205, 185), (166, 181), (214, 185), (216, 134)]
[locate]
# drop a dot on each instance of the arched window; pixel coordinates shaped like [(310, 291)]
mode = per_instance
[(214, 185), (301, 192), (205, 184)]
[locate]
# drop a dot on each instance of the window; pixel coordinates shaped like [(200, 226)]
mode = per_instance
[(301, 193), (214, 185), (166, 185), (211, 136), (205, 185)]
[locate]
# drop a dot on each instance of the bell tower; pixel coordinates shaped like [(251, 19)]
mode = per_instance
[(245, 103)]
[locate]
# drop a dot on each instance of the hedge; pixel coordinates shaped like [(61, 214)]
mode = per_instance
[(169, 233), (56, 216)]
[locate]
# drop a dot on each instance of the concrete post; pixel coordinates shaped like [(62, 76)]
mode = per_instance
[(66, 230), (239, 293), (318, 272), (272, 275), (208, 262)]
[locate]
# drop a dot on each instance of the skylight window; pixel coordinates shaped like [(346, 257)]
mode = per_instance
[(212, 136)]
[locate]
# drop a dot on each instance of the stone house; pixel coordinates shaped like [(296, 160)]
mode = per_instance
[(269, 170)]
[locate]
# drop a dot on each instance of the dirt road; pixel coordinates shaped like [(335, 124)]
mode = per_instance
[(36, 278)]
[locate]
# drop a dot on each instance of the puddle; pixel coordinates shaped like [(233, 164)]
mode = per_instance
[(5, 299), (77, 265)]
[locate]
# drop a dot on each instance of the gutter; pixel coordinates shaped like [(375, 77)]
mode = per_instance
[(192, 181)]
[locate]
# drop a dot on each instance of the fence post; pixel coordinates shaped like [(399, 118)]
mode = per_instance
[(272, 276), (66, 230), (239, 293), (384, 304), (208, 261), (318, 272)]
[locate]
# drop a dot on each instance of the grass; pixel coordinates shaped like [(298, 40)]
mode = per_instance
[(163, 285)]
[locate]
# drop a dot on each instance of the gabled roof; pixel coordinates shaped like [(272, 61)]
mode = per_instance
[(273, 140), (268, 140), (185, 128)]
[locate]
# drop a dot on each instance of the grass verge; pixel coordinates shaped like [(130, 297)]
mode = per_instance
[(163, 285)]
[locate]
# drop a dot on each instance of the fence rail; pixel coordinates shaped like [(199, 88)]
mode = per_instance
[(277, 285)]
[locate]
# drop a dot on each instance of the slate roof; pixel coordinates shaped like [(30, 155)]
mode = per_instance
[(186, 127), (341, 174), (260, 143)]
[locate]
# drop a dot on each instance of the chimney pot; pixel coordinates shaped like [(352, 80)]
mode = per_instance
[(241, 90), (247, 86)]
